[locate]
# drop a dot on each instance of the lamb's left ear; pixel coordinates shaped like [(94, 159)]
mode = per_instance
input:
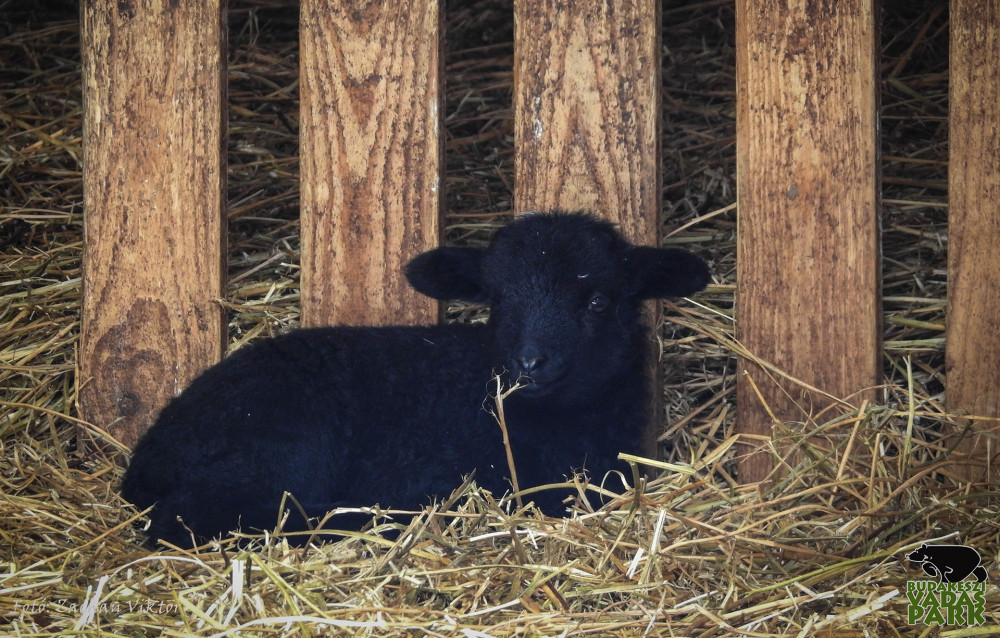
[(448, 273), (665, 272)]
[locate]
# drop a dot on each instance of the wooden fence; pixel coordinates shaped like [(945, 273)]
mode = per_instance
[(587, 110)]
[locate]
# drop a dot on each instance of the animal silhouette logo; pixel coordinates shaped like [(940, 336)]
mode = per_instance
[(950, 563)]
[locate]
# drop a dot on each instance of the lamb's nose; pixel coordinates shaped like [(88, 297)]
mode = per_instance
[(530, 363)]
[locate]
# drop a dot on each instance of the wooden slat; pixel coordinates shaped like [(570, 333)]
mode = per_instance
[(370, 146), (587, 110), (154, 197), (973, 337), (587, 96), (808, 280)]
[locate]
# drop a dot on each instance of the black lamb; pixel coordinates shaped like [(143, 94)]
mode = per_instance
[(395, 416)]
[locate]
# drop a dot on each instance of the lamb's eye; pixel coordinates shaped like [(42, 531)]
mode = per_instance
[(598, 303)]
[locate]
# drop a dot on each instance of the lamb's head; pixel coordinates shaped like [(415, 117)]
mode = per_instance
[(564, 292)]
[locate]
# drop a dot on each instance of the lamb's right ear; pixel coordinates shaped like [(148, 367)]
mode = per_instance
[(448, 273)]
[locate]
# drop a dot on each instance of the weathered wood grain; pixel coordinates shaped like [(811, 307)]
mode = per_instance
[(808, 259), (371, 157), (154, 197), (587, 109), (587, 95), (973, 333)]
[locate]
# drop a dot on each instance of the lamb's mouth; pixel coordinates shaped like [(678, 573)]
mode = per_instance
[(535, 388)]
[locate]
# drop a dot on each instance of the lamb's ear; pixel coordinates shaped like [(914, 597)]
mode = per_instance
[(665, 272), (448, 273)]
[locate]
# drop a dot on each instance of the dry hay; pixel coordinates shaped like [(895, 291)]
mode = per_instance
[(818, 553)]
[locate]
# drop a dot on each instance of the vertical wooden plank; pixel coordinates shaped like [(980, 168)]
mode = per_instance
[(808, 280), (154, 197), (371, 155), (973, 336), (587, 95), (587, 109)]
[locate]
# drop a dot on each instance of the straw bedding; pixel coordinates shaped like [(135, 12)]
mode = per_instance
[(691, 553)]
